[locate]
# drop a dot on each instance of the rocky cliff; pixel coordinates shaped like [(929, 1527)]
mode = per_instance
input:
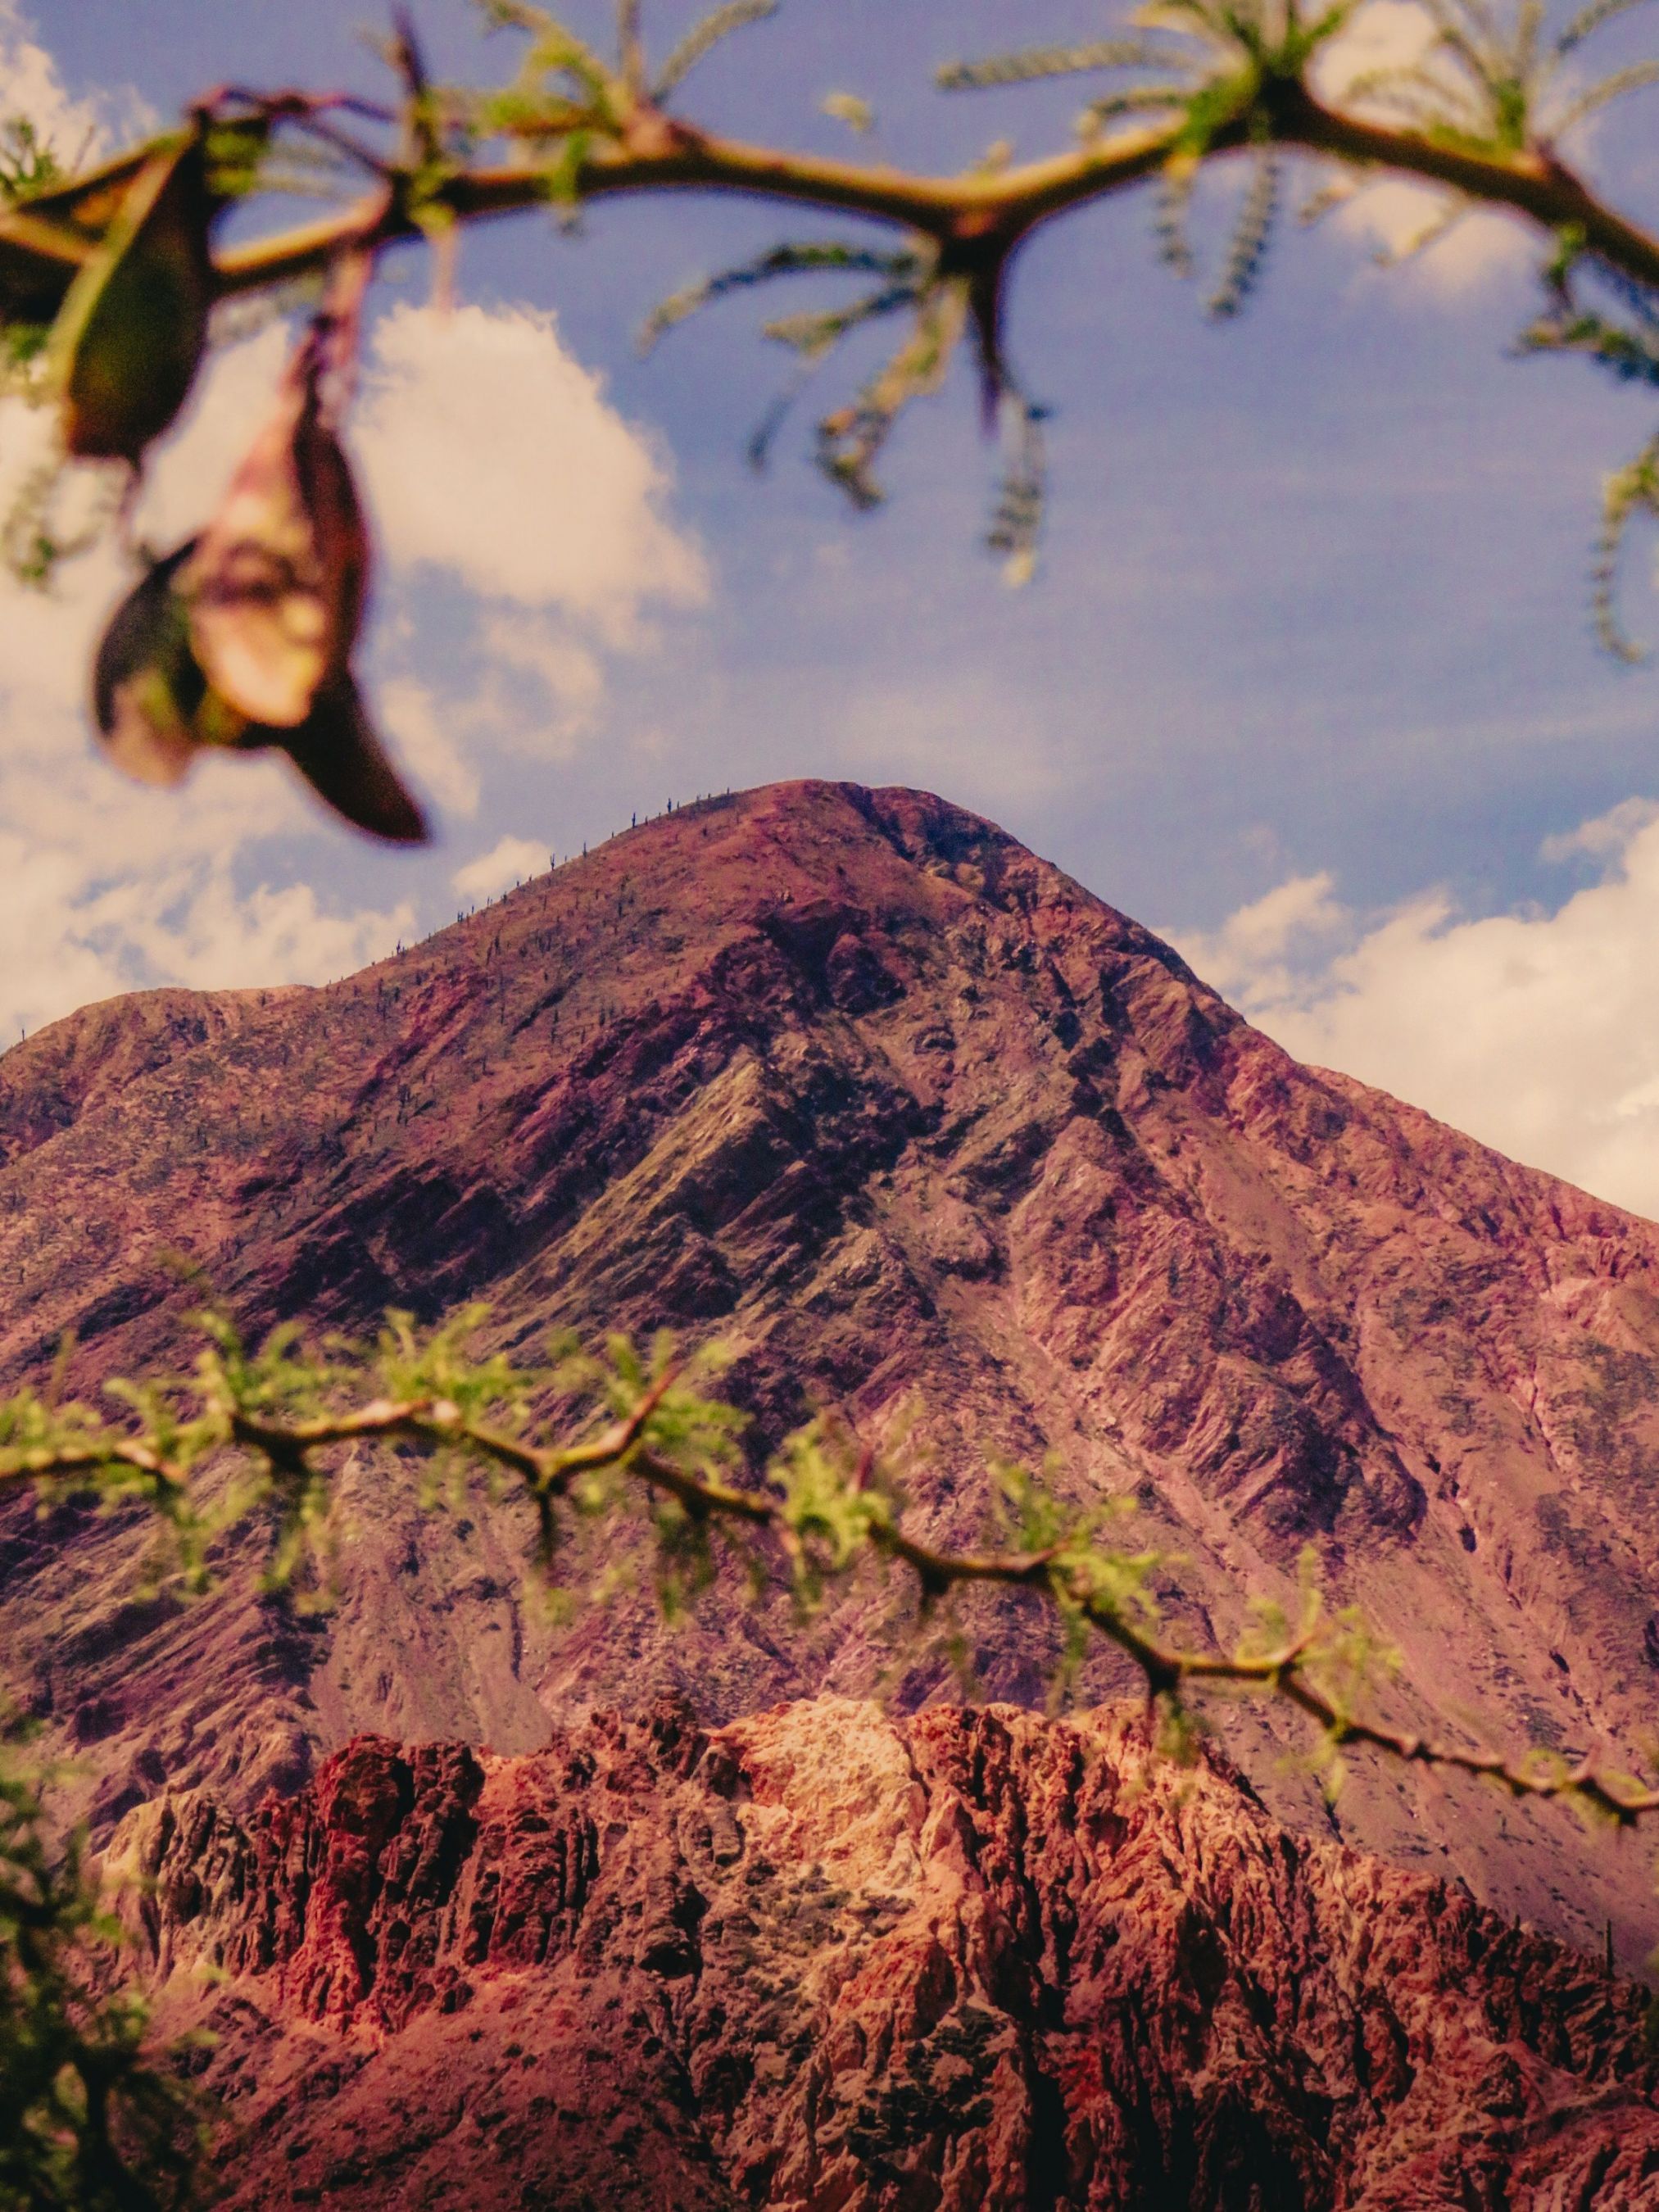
[(908, 1118), (824, 1959)]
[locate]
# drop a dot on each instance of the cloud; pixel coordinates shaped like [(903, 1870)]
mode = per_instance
[(566, 679), (498, 869), (491, 454), (1251, 951), (1405, 222), (78, 130), (414, 718), (105, 889), (1606, 835), (1537, 1030)]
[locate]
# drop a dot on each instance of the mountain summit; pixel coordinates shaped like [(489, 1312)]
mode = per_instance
[(922, 1130)]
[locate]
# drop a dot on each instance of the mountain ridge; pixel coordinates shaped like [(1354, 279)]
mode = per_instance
[(853, 1080)]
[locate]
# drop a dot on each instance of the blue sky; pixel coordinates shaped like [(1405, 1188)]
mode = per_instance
[(1311, 611)]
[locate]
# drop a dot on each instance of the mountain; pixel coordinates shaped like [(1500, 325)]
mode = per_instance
[(828, 1959), (924, 1130)]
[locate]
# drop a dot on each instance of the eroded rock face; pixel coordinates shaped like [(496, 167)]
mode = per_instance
[(828, 1958), (852, 1081)]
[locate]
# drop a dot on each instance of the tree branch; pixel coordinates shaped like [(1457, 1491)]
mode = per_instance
[(437, 1422), (995, 210)]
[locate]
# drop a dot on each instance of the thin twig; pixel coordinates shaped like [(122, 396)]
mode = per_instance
[(551, 1472)]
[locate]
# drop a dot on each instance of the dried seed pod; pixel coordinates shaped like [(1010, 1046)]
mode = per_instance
[(337, 750), (156, 711), (147, 688), (242, 637), (133, 327), (277, 584)]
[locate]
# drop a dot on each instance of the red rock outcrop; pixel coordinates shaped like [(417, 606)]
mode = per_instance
[(825, 1959), (854, 1081)]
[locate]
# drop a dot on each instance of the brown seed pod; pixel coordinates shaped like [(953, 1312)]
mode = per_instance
[(337, 750), (133, 330), (242, 637), (155, 712), (147, 688), (278, 584)]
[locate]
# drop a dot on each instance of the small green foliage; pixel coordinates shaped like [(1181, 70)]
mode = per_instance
[(259, 1436), (704, 37), (555, 56), (1038, 63), (1629, 492), (28, 162), (1247, 251), (851, 440), (1017, 521), (236, 150), (834, 1505), (850, 108), (812, 256), (90, 2120), (41, 528), (1494, 85)]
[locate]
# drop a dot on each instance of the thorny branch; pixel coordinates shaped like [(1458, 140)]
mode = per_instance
[(991, 214), (582, 131), (823, 1503)]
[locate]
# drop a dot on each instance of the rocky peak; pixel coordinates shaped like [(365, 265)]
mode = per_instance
[(828, 1957)]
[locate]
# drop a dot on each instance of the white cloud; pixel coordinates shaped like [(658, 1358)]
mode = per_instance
[(77, 129), (497, 870), (568, 678), (106, 889), (424, 733), (1537, 1031), (1403, 221), (1251, 951), (491, 453), (1607, 834)]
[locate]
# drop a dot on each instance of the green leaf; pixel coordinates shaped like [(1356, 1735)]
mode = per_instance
[(704, 37)]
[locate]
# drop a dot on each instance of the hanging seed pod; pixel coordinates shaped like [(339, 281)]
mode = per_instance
[(277, 584), (133, 328), (147, 688), (340, 757), (242, 638), (156, 713)]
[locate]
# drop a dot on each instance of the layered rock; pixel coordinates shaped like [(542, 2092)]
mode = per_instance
[(828, 1959), (908, 1118)]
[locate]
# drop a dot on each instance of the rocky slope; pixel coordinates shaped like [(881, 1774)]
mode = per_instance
[(826, 1960), (906, 1115)]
